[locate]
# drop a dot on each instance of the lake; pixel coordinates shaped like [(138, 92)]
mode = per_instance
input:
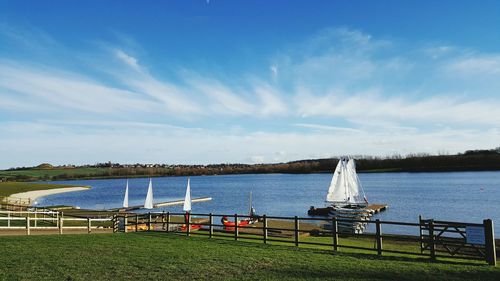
[(455, 196)]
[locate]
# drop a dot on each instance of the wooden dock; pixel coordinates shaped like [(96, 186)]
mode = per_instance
[(377, 208), (164, 204), (373, 208)]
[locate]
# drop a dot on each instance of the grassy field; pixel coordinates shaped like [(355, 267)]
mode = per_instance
[(48, 174), (8, 188), (160, 256)]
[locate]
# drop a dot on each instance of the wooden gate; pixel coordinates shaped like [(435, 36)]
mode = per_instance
[(456, 239)]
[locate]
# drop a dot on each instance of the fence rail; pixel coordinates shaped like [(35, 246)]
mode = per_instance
[(50, 220)]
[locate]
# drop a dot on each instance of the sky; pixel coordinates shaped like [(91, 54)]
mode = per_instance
[(212, 81)]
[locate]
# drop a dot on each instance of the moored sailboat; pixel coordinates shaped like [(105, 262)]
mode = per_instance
[(346, 198)]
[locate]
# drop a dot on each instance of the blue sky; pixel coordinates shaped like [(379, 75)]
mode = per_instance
[(245, 81)]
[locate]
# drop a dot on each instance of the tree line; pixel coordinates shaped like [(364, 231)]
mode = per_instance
[(471, 160)]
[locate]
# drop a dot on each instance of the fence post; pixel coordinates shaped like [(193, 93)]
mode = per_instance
[(8, 218), (296, 231), (421, 234), (188, 224), (149, 221), (335, 233), (378, 236), (35, 218), (57, 219), (125, 222), (61, 221), (264, 229), (211, 226), (115, 222), (163, 220), (136, 222), (89, 226), (28, 224), (489, 239), (431, 240), (168, 221), (236, 227)]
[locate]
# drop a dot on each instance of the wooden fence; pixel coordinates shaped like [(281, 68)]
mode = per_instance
[(437, 239), (48, 220)]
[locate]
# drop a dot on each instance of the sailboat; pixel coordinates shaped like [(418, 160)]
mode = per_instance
[(148, 204), (345, 189), (187, 208), (345, 199), (125, 198)]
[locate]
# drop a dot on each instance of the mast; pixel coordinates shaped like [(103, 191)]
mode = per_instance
[(250, 203)]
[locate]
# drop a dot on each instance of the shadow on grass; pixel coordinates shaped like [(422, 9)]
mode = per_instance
[(259, 245)]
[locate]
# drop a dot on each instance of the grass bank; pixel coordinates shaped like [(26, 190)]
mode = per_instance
[(160, 256), (9, 188)]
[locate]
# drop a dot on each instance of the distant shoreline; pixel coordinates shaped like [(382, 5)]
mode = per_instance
[(470, 161)]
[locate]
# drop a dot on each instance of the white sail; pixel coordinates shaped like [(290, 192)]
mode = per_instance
[(336, 191), (187, 199), (125, 198), (148, 204), (345, 187), (356, 194)]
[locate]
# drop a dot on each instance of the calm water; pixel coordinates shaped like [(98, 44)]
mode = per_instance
[(464, 196)]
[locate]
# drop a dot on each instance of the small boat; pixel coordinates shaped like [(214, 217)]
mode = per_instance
[(228, 223), (193, 227), (252, 217)]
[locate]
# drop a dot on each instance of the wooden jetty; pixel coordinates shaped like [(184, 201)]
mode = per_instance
[(164, 204), (377, 208), (373, 208)]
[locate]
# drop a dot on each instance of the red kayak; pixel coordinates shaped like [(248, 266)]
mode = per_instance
[(228, 223), (193, 227)]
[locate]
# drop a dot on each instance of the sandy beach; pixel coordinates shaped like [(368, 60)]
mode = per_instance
[(33, 195)]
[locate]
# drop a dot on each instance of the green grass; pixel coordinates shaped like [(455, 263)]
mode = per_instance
[(160, 256), (40, 174), (8, 188)]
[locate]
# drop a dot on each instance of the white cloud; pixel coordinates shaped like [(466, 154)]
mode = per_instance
[(320, 127), (476, 65), (151, 144), (274, 72), (129, 60), (271, 101), (370, 105), (59, 90), (223, 100)]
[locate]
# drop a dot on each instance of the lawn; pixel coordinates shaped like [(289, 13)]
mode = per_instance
[(161, 256), (8, 188), (48, 174)]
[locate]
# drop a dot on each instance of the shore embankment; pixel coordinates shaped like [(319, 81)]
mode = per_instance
[(35, 194)]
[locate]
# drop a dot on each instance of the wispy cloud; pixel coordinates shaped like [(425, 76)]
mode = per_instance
[(60, 90), (320, 127)]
